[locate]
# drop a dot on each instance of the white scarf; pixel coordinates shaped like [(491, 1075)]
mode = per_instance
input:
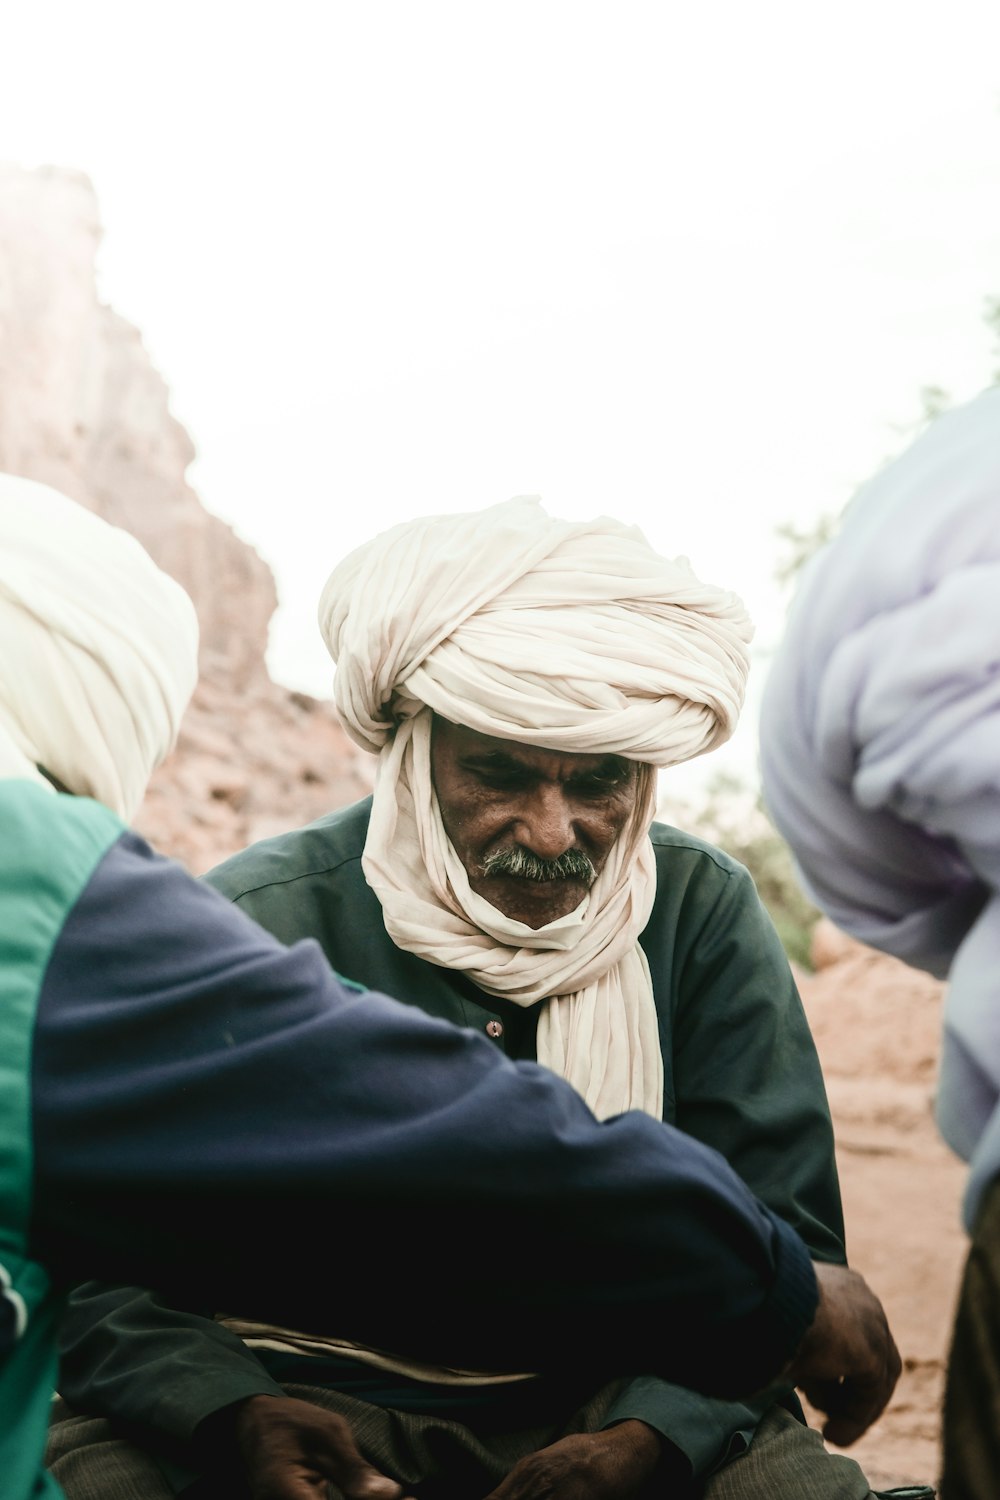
[(599, 1026), (98, 649), (572, 636)]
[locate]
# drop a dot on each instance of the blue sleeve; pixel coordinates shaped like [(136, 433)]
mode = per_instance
[(217, 1116)]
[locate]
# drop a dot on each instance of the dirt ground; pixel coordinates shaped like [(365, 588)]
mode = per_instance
[(876, 1024)]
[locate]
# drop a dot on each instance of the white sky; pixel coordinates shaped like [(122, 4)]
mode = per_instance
[(686, 264)]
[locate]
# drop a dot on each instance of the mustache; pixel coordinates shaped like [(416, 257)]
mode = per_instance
[(523, 864)]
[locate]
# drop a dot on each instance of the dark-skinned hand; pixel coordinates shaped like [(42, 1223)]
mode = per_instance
[(848, 1363), (291, 1450), (612, 1465)]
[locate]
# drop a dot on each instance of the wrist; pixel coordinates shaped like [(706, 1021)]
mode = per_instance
[(217, 1436), (654, 1453)]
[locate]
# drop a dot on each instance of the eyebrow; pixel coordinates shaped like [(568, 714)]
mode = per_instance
[(612, 766), (492, 760)]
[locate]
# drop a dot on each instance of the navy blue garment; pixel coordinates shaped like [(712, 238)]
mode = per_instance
[(198, 1088)]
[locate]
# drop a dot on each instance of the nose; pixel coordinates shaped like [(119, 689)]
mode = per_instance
[(545, 823)]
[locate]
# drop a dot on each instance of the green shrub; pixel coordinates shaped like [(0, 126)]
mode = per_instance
[(732, 816)]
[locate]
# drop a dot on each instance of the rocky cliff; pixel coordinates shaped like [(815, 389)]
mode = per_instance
[(82, 408)]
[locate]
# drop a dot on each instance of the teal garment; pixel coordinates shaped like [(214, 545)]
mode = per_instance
[(740, 1073), (35, 896)]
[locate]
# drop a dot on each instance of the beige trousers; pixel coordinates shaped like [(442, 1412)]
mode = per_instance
[(442, 1460)]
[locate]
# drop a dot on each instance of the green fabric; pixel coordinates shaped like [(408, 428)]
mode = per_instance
[(50, 848), (740, 1067), (971, 1437)]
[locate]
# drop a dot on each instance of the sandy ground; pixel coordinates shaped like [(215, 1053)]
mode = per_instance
[(876, 1024)]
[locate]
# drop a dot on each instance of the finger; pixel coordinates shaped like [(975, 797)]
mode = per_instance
[(513, 1487), (823, 1394), (851, 1406), (372, 1486), (296, 1483), (315, 1449), (503, 1491), (337, 1457), (842, 1430), (313, 1484)]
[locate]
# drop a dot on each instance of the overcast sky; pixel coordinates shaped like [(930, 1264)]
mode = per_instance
[(686, 264)]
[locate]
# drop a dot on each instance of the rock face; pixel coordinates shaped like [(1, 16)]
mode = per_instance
[(83, 409)]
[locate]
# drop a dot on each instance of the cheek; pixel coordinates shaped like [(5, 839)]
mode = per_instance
[(470, 824), (605, 825), (481, 827)]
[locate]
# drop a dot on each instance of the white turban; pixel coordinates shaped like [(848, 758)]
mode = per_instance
[(572, 636), (98, 649), (880, 742)]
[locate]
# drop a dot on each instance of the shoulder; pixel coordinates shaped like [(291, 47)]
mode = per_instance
[(51, 839), (678, 851), (698, 885), (29, 811), (51, 846), (319, 849)]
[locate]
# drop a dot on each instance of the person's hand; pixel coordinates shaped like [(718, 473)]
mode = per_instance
[(291, 1450), (848, 1363), (609, 1465)]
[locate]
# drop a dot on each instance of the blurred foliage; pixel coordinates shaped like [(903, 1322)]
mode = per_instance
[(732, 816), (800, 545), (729, 814), (934, 400), (992, 316)]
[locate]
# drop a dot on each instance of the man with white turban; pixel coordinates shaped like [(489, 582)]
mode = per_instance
[(176, 1086), (520, 679), (880, 746)]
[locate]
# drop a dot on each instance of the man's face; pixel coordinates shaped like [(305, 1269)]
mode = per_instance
[(532, 827)]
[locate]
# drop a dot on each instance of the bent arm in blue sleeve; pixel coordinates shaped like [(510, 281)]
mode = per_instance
[(207, 1101)]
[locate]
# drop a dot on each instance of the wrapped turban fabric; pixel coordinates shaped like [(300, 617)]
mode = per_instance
[(571, 636), (98, 649), (880, 743)]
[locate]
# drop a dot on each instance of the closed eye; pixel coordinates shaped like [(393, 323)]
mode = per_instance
[(603, 781), (499, 772)]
